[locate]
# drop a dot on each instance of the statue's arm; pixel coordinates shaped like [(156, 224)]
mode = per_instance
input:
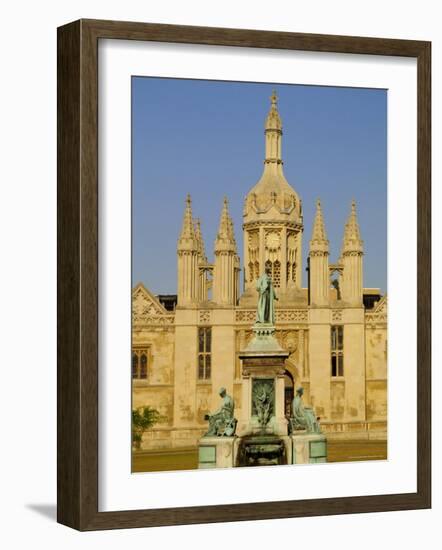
[(218, 411)]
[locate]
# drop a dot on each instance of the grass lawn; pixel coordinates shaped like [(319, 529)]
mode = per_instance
[(187, 459)]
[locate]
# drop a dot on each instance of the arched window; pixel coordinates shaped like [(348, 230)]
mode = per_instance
[(204, 352), (337, 351), (141, 361)]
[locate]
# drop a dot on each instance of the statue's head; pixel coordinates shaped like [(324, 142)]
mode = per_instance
[(268, 271), (300, 391), (222, 392)]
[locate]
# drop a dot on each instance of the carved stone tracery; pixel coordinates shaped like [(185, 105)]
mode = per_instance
[(378, 315), (147, 310)]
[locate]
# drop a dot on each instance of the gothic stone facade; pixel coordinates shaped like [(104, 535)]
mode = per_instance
[(185, 349)]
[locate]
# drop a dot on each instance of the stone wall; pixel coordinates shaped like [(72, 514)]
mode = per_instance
[(351, 407)]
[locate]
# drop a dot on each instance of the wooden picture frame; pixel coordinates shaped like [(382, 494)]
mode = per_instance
[(78, 274)]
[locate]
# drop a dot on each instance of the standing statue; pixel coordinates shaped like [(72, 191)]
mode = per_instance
[(222, 422), (266, 305), (303, 418)]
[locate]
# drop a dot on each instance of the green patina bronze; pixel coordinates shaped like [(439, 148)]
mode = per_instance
[(303, 418), (263, 400), (318, 449), (266, 301), (222, 422)]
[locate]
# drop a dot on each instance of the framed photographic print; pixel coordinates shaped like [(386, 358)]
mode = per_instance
[(243, 275)]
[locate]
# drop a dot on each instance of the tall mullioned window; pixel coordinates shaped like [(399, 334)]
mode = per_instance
[(140, 360), (337, 351), (204, 352)]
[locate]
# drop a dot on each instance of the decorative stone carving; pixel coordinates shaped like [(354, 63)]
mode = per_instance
[(263, 400), (378, 315), (146, 309), (288, 339), (155, 320), (291, 315), (204, 316), (245, 316), (337, 315), (282, 315)]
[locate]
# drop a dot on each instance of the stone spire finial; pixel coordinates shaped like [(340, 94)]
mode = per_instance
[(187, 237), (232, 231), (319, 233), (187, 251), (352, 235), (319, 239), (224, 224), (351, 254), (273, 120), (319, 277), (225, 238), (200, 241), (226, 265)]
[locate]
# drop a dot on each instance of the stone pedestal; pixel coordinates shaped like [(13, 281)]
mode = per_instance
[(308, 448), (217, 452), (263, 369)]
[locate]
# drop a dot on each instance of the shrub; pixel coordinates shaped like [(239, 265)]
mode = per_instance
[(143, 418)]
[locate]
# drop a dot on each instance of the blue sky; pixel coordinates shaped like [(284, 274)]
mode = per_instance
[(206, 138)]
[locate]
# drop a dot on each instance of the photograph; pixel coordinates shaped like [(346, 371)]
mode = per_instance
[(224, 213), (259, 274)]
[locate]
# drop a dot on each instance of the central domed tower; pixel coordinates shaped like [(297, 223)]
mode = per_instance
[(272, 215)]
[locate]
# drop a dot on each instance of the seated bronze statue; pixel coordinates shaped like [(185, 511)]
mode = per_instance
[(222, 422), (303, 418)]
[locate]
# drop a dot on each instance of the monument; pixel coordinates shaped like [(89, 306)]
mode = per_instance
[(263, 435)]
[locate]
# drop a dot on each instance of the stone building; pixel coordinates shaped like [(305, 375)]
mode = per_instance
[(185, 347)]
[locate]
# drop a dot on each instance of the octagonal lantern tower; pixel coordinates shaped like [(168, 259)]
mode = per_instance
[(272, 218)]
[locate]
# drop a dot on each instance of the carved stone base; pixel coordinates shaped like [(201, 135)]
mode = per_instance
[(263, 340), (217, 452), (308, 448), (264, 329), (301, 448), (276, 425)]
